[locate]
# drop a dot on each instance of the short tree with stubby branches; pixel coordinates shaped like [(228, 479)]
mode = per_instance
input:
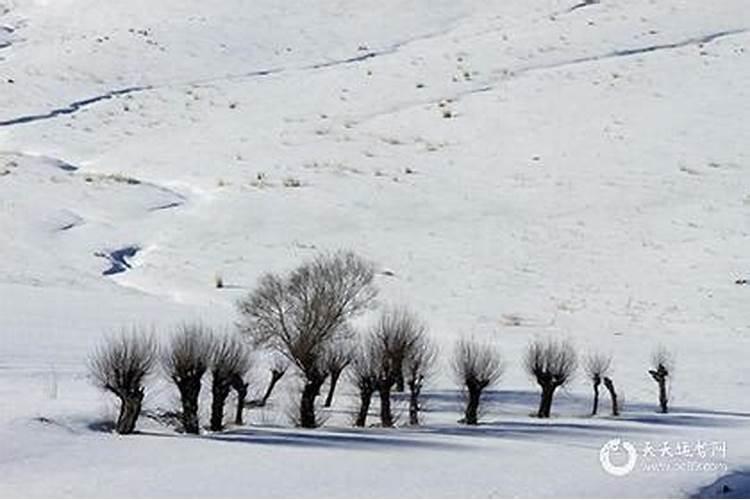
[(598, 367), (230, 361), (477, 366), (662, 363), (393, 337), (120, 365), (552, 364), (303, 313), (185, 359), (363, 374)]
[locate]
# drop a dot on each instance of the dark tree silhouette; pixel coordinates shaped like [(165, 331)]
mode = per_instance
[(612, 395), (120, 366), (305, 312), (230, 361), (663, 366), (477, 366), (597, 366), (395, 334), (186, 360), (363, 374), (552, 364)]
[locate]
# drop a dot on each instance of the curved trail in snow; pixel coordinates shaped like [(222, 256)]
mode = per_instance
[(81, 104), (509, 74)]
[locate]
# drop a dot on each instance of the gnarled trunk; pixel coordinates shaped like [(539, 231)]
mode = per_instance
[(189, 391), (365, 397), (130, 409), (660, 376), (612, 394), (545, 404), (220, 393), (307, 403), (471, 414), (663, 400)]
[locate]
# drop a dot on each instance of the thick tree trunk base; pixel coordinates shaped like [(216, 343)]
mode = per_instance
[(130, 409), (364, 408)]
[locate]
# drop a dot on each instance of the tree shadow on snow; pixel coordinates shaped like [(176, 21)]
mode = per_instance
[(338, 438)]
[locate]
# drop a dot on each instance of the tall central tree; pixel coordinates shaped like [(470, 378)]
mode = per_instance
[(302, 314)]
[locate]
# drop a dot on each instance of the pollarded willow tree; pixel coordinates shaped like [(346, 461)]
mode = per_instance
[(552, 364), (305, 312), (393, 337), (662, 362), (120, 365), (477, 366), (597, 366), (186, 359), (230, 362)]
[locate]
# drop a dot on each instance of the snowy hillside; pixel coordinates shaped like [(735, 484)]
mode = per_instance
[(515, 168)]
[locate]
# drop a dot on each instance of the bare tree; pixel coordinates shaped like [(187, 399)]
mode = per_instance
[(120, 366), (418, 366), (363, 374), (337, 358), (552, 364), (186, 360), (477, 365), (394, 335), (597, 366), (662, 362), (230, 361), (302, 314)]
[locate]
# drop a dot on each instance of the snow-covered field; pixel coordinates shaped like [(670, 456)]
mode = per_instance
[(516, 168)]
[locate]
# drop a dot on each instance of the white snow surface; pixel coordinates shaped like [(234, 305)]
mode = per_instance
[(515, 168)]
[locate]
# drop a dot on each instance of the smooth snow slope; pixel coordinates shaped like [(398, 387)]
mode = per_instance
[(516, 168)]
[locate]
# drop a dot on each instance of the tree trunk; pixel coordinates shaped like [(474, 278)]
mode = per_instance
[(613, 395), (660, 376), (307, 404), (334, 379), (240, 387), (415, 388), (275, 377), (471, 415), (545, 404), (365, 397), (663, 401), (130, 409), (399, 386), (189, 391), (219, 393), (597, 382), (386, 416)]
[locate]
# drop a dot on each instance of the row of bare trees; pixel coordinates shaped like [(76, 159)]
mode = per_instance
[(304, 318), (122, 364)]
